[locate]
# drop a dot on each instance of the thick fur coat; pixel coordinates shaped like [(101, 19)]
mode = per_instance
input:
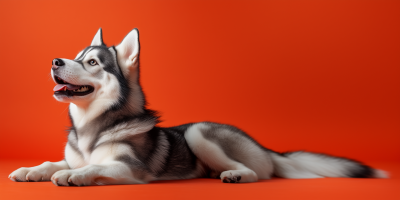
[(114, 138)]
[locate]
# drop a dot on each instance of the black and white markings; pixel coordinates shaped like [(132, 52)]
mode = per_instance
[(115, 139)]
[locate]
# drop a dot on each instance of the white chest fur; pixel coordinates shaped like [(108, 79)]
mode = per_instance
[(84, 144)]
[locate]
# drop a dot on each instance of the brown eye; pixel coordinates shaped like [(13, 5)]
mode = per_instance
[(92, 62)]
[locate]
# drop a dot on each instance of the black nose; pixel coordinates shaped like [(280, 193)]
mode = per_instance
[(57, 63)]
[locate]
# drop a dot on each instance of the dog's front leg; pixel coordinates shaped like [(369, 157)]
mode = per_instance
[(110, 173), (41, 172)]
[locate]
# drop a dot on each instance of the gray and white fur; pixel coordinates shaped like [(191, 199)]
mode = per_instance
[(114, 138)]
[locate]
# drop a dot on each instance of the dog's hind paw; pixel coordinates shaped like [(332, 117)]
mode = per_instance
[(230, 177)]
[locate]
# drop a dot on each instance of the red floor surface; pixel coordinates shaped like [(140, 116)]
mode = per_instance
[(327, 188)]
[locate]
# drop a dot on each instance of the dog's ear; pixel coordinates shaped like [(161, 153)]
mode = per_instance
[(128, 50), (98, 39)]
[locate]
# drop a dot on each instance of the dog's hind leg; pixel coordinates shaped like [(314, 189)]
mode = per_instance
[(212, 155), (226, 156)]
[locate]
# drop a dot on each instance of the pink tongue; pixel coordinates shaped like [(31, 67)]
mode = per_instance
[(60, 87)]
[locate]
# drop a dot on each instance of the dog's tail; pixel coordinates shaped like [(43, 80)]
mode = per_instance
[(300, 164)]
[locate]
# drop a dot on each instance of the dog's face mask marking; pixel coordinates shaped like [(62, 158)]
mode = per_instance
[(95, 73)]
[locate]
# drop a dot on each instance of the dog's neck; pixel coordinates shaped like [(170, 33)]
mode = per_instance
[(100, 111), (82, 114)]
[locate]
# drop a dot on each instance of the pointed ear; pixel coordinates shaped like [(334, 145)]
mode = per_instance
[(98, 39), (128, 50)]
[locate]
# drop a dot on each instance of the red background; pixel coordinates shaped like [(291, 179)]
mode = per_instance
[(321, 76), (313, 75)]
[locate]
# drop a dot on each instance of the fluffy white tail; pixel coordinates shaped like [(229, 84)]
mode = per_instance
[(302, 164)]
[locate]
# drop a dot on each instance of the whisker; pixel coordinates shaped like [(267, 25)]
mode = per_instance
[(64, 110)]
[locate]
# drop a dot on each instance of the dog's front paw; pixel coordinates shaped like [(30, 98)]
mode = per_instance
[(70, 178), (32, 174), (19, 175), (230, 176)]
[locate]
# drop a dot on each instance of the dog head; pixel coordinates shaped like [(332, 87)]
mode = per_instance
[(100, 75)]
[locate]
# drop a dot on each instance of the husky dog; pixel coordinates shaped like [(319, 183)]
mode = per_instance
[(114, 138)]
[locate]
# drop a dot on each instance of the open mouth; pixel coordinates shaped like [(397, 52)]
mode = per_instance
[(68, 89)]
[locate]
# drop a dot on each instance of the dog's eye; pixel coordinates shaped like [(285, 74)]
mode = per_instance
[(92, 62)]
